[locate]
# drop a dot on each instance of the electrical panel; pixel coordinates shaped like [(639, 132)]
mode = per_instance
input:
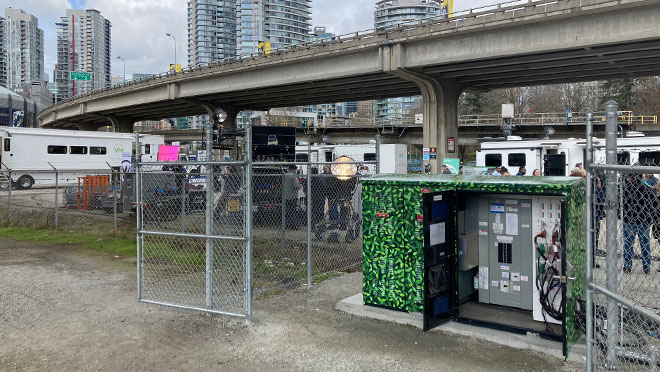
[(505, 272)]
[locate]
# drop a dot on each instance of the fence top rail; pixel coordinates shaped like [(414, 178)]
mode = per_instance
[(625, 168), (286, 164), (194, 163), (627, 303)]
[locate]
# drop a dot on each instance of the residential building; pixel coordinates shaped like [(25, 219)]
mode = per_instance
[(83, 45), (211, 30), (282, 23), (389, 13), (21, 49)]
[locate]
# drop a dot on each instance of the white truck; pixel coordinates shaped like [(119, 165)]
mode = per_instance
[(32, 154)]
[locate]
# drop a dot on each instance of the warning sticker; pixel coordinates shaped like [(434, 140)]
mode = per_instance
[(516, 288), (483, 277), (524, 278)]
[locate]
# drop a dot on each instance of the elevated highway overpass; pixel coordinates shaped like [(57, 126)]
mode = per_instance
[(529, 42)]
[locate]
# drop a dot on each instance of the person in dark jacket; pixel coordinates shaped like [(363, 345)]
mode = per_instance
[(639, 204)]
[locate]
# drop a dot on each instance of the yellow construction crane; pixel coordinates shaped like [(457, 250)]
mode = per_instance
[(449, 5)]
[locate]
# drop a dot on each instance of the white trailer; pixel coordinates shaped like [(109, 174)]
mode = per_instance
[(393, 157), (32, 153), (551, 157)]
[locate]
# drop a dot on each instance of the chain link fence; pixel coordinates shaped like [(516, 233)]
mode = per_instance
[(622, 322), (192, 236), (97, 201)]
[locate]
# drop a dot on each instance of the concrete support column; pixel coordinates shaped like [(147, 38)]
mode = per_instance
[(121, 124), (440, 106)]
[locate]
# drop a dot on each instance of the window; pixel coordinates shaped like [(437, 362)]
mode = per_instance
[(147, 149), (95, 150), (517, 160), (58, 150), (650, 159), (301, 158), (493, 160), (370, 157), (78, 150), (7, 145)]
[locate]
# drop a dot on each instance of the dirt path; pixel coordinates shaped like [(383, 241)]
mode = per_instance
[(65, 309)]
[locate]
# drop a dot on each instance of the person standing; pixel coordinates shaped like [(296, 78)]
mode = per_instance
[(497, 171), (639, 204), (522, 171), (536, 172), (290, 188), (445, 170)]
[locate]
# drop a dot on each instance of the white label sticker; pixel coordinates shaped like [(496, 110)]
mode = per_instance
[(525, 205), (504, 286), (515, 277), (481, 223), (495, 283), (505, 274), (525, 226), (516, 288), (483, 232), (498, 218), (505, 239), (437, 198), (511, 201), (511, 224), (483, 277), (498, 226), (497, 208), (437, 233), (512, 209), (504, 267), (524, 278)]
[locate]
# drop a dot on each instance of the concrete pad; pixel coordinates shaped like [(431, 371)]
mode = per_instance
[(353, 305)]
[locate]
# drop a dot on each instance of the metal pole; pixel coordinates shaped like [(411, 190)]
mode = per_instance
[(114, 201), (378, 153), (589, 240), (309, 213), (9, 198), (283, 224), (248, 224), (138, 214), (183, 202), (209, 215), (57, 178), (612, 233)]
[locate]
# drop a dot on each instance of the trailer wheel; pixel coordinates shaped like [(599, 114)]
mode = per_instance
[(24, 182)]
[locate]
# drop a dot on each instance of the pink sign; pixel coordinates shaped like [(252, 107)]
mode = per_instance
[(168, 153)]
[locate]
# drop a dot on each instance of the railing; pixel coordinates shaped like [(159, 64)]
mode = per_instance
[(459, 20)]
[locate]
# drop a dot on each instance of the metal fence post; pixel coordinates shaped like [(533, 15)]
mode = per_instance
[(589, 240), (57, 179), (138, 215), (114, 198), (611, 191), (309, 213), (183, 201), (248, 224), (378, 137), (209, 216), (11, 185)]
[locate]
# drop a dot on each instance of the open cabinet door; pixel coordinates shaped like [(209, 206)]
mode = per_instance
[(440, 258)]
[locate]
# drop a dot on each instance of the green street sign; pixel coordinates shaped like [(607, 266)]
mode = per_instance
[(86, 76)]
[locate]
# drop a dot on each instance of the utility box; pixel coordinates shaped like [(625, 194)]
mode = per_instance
[(469, 247)]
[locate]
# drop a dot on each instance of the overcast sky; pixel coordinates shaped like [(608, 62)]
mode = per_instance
[(139, 26)]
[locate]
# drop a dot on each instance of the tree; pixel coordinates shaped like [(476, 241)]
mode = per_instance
[(623, 91)]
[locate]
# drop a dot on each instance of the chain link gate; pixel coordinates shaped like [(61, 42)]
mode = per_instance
[(621, 310), (194, 228)]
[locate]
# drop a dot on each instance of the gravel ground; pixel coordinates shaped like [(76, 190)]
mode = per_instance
[(66, 309)]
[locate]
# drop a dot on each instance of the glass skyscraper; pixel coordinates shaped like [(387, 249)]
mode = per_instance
[(21, 49), (211, 30), (83, 45)]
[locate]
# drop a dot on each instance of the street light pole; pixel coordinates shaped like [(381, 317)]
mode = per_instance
[(173, 38), (124, 63)]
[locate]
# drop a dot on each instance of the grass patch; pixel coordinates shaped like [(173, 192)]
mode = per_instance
[(112, 245), (323, 277)]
